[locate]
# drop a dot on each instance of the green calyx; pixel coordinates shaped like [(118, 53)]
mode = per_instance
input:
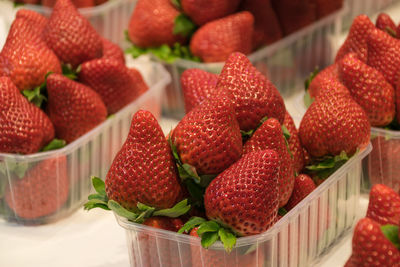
[(324, 167), (177, 4), (100, 200), (282, 211), (54, 144), (183, 26), (391, 232), (311, 77), (19, 169)]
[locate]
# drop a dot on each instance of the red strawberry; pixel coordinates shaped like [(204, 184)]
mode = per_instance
[(303, 186), (325, 8), (317, 82), (245, 197), (73, 108), (369, 89), (150, 177), (35, 19), (356, 40), (24, 128), (384, 205), (371, 247), (71, 36), (295, 14), (216, 40), (111, 50), (266, 25), (197, 85), (166, 223), (208, 137), (203, 11), (295, 146), (152, 24), (83, 3), (385, 23), (43, 190), (254, 95), (334, 123), (113, 81)]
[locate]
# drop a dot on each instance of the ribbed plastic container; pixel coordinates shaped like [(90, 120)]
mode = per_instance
[(285, 62), (303, 234), (110, 19), (69, 169)]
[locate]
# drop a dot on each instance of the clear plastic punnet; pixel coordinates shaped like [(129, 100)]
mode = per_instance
[(297, 239), (44, 187)]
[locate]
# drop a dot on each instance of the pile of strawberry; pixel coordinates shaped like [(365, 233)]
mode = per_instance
[(51, 3), (232, 161), (376, 240), (209, 31)]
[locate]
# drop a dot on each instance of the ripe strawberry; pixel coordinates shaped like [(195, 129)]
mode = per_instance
[(216, 40), (43, 190), (385, 23), (113, 81), (317, 82), (203, 11), (303, 186), (245, 197), (73, 108), (24, 128), (266, 25), (384, 55), (35, 19), (371, 247), (152, 24), (151, 175), (334, 123), (325, 8), (83, 3), (254, 96), (208, 137), (384, 205), (369, 89), (295, 146), (111, 50), (356, 40), (71, 36), (270, 136), (197, 85)]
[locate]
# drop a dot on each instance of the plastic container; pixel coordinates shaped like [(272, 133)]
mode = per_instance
[(59, 180), (297, 239), (285, 62)]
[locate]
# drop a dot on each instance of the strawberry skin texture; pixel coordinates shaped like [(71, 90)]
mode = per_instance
[(369, 89), (384, 205), (197, 85), (325, 8), (333, 123), (317, 83), (111, 50), (152, 24), (208, 137), (165, 223), (144, 169), (24, 128), (245, 197), (303, 186), (43, 190), (356, 40), (71, 36), (216, 40), (294, 143), (253, 94), (384, 21), (113, 81), (371, 247)]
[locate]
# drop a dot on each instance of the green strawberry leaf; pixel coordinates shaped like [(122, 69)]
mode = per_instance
[(143, 207), (391, 32), (209, 238), (196, 193), (227, 238), (18, 4), (143, 215), (17, 168), (286, 132), (391, 232), (54, 144), (183, 26), (35, 96), (247, 135), (208, 226), (176, 3), (121, 211), (323, 168), (98, 197), (311, 77), (282, 211), (99, 186), (136, 51), (308, 100), (126, 34), (191, 172), (95, 203), (69, 72), (192, 223), (179, 209)]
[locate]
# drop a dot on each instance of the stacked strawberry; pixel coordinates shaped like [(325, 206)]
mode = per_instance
[(210, 31), (51, 3)]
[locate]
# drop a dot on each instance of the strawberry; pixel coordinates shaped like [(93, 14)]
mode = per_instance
[(266, 25), (334, 123), (203, 11), (43, 190), (24, 128), (216, 40), (294, 143), (208, 138), (152, 24), (71, 36), (73, 108), (371, 247), (270, 136), (384, 205), (356, 40), (384, 55), (34, 18), (303, 186), (294, 15), (330, 72), (369, 89), (83, 3), (111, 50), (245, 197), (151, 176), (197, 85), (113, 81), (254, 95), (385, 23), (325, 8)]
